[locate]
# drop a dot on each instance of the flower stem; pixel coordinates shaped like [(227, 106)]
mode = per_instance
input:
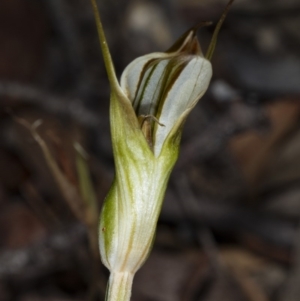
[(119, 286)]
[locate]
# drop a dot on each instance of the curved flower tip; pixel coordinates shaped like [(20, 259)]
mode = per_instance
[(166, 86)]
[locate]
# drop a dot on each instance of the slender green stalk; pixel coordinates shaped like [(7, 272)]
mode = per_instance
[(119, 286)]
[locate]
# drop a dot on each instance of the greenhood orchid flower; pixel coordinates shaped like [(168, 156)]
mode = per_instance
[(147, 111)]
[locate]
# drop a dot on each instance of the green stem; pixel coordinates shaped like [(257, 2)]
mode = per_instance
[(119, 286)]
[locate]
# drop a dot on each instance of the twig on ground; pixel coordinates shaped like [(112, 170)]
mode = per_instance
[(52, 103)]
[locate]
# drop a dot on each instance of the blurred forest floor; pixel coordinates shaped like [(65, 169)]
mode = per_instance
[(229, 228)]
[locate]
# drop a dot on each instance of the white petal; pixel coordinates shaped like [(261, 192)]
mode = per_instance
[(191, 84), (131, 76)]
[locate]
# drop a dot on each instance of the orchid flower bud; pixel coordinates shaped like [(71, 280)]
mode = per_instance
[(147, 111)]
